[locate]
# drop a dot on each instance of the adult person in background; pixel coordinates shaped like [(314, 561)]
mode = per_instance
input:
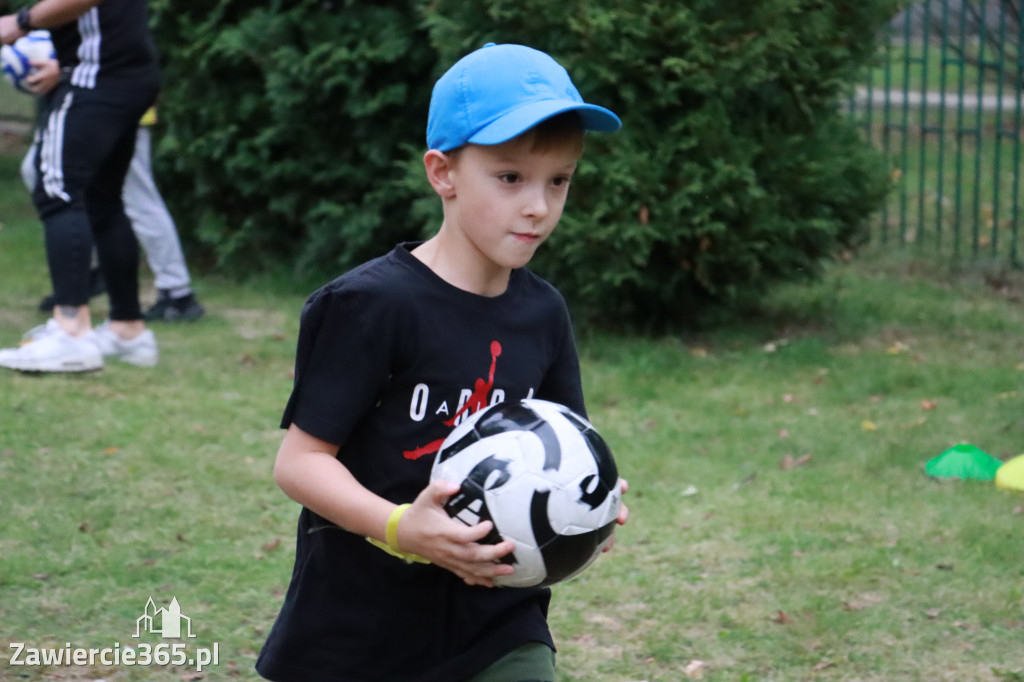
[(109, 78), (151, 221)]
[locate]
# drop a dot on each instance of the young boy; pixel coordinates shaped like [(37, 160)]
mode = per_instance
[(388, 357)]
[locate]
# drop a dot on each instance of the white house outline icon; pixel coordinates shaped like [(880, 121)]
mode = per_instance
[(170, 621)]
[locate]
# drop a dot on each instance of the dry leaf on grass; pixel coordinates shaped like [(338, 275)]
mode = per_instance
[(863, 601), (897, 348), (695, 669), (790, 462)]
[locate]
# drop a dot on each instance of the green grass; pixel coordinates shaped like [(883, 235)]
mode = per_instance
[(127, 484), (15, 105)]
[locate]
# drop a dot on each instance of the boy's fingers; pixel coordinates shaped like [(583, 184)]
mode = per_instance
[(470, 537), (468, 545), (440, 490), (475, 534), (623, 509), (623, 515), (495, 552), (464, 553), (482, 572), (478, 532)]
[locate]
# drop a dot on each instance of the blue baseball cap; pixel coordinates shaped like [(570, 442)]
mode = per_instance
[(499, 92)]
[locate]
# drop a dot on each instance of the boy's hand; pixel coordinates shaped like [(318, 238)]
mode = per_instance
[(427, 530), (623, 515)]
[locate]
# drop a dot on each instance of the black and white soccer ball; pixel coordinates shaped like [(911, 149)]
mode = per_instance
[(546, 479)]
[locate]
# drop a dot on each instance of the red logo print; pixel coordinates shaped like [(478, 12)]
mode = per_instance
[(477, 401)]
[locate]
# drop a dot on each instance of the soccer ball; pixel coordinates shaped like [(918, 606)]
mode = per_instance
[(16, 60), (544, 476)]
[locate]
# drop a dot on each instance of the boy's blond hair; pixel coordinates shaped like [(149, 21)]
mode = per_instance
[(564, 131)]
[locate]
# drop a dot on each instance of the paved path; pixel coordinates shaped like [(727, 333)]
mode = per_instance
[(950, 100), (14, 127)]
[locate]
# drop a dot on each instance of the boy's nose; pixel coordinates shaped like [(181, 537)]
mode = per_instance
[(536, 204)]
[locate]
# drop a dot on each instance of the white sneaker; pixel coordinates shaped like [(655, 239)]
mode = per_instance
[(36, 333), (51, 349), (140, 351)]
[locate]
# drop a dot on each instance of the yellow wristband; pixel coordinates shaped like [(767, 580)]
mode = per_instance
[(391, 534)]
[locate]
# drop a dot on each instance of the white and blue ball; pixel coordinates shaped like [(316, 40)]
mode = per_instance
[(546, 479), (16, 60)]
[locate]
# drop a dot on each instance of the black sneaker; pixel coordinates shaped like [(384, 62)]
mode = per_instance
[(168, 309), (96, 287)]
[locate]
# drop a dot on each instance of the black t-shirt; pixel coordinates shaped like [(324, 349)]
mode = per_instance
[(390, 358), (110, 44)]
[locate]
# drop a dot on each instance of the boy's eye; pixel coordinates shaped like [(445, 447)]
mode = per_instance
[(561, 180), (509, 177)]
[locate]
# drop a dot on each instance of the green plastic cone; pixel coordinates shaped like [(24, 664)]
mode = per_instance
[(964, 461)]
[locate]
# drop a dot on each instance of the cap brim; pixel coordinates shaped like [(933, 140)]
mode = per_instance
[(517, 122)]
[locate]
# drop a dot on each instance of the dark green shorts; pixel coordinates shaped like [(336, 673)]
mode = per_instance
[(532, 662)]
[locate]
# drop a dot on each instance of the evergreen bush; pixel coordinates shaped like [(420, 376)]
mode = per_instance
[(284, 124), (295, 131)]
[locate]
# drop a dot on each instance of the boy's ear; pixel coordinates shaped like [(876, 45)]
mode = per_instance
[(439, 171)]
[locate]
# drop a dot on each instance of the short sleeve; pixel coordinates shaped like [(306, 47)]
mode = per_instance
[(562, 383), (342, 362)]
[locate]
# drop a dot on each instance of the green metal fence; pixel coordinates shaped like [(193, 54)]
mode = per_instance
[(944, 105)]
